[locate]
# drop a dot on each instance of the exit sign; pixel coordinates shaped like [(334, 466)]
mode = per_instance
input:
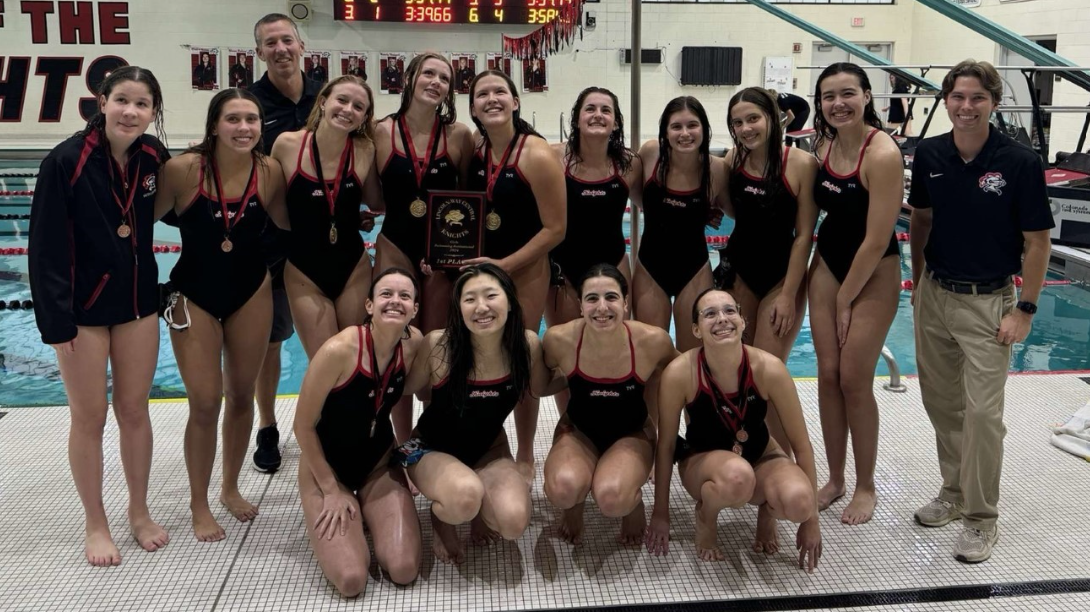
[(857, 22)]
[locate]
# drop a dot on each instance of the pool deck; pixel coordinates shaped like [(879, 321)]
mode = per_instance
[(1040, 563)]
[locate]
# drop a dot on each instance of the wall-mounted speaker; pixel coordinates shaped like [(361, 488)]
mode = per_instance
[(647, 56)]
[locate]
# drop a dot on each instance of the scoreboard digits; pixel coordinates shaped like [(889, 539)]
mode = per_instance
[(449, 11)]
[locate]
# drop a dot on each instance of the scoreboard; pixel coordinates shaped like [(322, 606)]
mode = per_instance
[(449, 11)]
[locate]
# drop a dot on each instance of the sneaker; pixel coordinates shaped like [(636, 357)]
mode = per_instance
[(267, 455), (974, 545), (938, 513)]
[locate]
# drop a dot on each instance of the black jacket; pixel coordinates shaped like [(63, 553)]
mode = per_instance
[(81, 271)]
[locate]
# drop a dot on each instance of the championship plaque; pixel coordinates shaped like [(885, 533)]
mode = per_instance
[(455, 227)]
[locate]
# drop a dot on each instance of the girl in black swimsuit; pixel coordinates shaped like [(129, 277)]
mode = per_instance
[(601, 176), (855, 278), (342, 423), (772, 202), (727, 458), (419, 149), (604, 441), (328, 167), (683, 182), (221, 313), (477, 369)]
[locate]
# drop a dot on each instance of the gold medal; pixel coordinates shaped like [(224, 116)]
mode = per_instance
[(418, 208), (737, 449), (742, 436), (226, 245), (332, 234), (124, 231), (492, 221)]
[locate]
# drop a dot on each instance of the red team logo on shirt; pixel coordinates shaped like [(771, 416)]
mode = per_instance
[(993, 182)]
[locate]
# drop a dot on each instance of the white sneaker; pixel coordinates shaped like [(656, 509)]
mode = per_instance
[(938, 513), (974, 545)]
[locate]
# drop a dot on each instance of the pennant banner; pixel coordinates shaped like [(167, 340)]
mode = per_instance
[(551, 37)]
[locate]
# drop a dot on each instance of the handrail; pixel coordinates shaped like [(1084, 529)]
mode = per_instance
[(895, 385)]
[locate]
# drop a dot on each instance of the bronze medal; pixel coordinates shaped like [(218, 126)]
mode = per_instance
[(737, 449), (123, 230), (226, 245), (418, 208), (742, 436), (332, 234), (492, 221)]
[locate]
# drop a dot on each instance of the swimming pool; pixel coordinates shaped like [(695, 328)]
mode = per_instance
[(1060, 339)]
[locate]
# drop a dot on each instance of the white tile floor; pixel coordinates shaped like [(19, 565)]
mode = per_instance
[(267, 565)]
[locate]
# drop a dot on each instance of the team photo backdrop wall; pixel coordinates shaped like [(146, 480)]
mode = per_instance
[(54, 53)]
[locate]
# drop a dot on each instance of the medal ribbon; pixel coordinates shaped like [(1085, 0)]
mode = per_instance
[(420, 166), (316, 159), (251, 187), (729, 418), (384, 378), (495, 176), (128, 189)]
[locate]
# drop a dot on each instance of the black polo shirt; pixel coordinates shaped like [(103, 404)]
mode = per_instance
[(281, 114), (980, 208)]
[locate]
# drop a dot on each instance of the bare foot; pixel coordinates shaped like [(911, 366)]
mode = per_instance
[(707, 547), (148, 534), (829, 494), (481, 534), (205, 527), (633, 527), (861, 508), (100, 549), (238, 506), (571, 524), (767, 539), (445, 543)]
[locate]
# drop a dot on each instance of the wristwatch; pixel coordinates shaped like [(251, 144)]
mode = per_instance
[(1027, 307)]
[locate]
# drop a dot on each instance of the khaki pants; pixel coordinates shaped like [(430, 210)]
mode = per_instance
[(963, 372)]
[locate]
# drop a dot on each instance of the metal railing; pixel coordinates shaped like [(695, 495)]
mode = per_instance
[(895, 385)]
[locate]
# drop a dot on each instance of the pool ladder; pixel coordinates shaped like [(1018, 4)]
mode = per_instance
[(895, 385)]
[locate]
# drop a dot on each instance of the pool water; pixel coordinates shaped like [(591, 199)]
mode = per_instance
[(1060, 339)]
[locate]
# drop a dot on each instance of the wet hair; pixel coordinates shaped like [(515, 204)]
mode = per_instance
[(272, 18), (821, 125), (365, 130), (693, 105), (765, 100), (608, 271), (125, 74), (521, 127), (391, 272), (458, 344), (615, 149), (982, 71), (700, 296), (446, 111), (206, 148)]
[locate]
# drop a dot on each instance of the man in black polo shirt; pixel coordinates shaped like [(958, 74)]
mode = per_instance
[(286, 97), (979, 202), (797, 110)]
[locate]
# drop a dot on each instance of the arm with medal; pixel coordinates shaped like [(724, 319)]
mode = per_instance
[(545, 175)]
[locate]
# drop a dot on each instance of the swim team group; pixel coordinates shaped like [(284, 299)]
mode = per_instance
[(269, 208)]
